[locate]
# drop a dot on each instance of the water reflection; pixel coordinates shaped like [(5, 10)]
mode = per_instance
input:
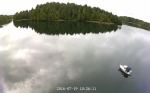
[(39, 63), (56, 28)]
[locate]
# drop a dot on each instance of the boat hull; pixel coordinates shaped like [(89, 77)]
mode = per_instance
[(123, 69)]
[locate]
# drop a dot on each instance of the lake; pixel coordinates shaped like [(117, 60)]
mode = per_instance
[(73, 57)]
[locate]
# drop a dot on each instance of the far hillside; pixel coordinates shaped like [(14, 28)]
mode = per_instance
[(135, 22), (4, 19), (60, 11)]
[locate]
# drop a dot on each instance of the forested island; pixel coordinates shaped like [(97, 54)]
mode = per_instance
[(4, 19), (55, 11), (135, 22)]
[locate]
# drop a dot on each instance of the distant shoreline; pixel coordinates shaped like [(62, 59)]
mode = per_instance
[(4, 19)]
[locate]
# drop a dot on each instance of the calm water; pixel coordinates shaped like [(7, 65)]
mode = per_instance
[(43, 57)]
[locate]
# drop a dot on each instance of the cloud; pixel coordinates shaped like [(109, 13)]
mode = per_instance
[(35, 63)]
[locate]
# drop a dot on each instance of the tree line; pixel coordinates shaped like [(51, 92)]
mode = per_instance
[(4, 19), (70, 11), (135, 22)]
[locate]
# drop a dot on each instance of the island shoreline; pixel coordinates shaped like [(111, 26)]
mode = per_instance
[(61, 20)]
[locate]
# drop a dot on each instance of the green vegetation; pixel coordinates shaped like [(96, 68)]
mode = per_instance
[(70, 11), (4, 19), (135, 22), (66, 27)]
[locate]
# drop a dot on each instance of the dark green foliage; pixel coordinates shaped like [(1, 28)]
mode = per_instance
[(70, 11), (135, 22), (4, 19), (67, 27)]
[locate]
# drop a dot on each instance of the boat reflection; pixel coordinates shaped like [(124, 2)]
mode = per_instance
[(123, 73)]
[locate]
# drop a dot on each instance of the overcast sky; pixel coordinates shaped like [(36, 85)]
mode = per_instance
[(133, 8)]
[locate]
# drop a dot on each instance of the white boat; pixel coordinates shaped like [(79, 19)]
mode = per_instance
[(126, 69)]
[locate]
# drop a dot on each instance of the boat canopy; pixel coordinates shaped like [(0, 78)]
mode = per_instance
[(128, 69)]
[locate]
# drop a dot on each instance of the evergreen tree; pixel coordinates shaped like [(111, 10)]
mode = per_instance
[(70, 11)]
